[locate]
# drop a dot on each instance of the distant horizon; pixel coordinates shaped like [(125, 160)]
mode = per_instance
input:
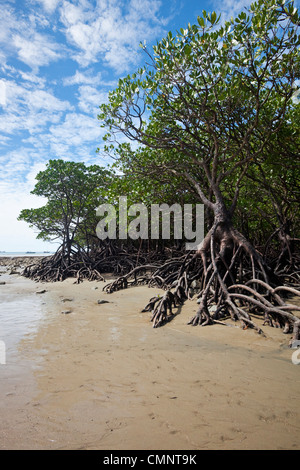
[(28, 251)]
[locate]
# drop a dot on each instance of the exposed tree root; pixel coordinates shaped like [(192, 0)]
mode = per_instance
[(61, 266), (231, 280), (139, 274), (161, 307), (108, 258)]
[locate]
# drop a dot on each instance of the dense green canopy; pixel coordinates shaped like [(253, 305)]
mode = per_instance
[(73, 191)]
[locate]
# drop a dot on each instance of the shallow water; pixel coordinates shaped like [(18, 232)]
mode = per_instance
[(20, 313)]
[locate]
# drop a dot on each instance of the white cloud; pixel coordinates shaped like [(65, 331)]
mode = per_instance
[(10, 123), (43, 100), (8, 23), (36, 51), (19, 35), (80, 78), (111, 31), (71, 14), (28, 109), (14, 164), (90, 99), (31, 77), (49, 5), (13, 92), (229, 8), (4, 140), (18, 171), (2, 93), (17, 235), (75, 131)]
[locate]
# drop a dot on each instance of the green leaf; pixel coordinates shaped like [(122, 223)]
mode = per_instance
[(213, 17), (187, 50), (201, 21)]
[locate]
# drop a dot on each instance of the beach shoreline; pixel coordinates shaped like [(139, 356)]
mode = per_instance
[(96, 375), (20, 259)]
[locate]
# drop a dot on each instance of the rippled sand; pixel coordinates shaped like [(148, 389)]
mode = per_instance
[(100, 377)]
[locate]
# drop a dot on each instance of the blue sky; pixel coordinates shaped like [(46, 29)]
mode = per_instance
[(58, 61)]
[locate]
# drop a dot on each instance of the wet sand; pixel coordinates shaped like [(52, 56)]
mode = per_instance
[(100, 377)]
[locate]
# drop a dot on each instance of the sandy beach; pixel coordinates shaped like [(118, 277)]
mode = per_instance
[(98, 376)]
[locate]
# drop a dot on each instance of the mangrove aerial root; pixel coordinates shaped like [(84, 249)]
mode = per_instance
[(230, 279)]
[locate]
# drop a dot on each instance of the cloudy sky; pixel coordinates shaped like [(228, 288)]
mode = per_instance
[(58, 60)]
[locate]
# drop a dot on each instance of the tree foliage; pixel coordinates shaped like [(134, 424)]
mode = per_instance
[(73, 191), (212, 97)]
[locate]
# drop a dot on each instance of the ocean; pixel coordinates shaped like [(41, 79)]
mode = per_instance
[(26, 253)]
